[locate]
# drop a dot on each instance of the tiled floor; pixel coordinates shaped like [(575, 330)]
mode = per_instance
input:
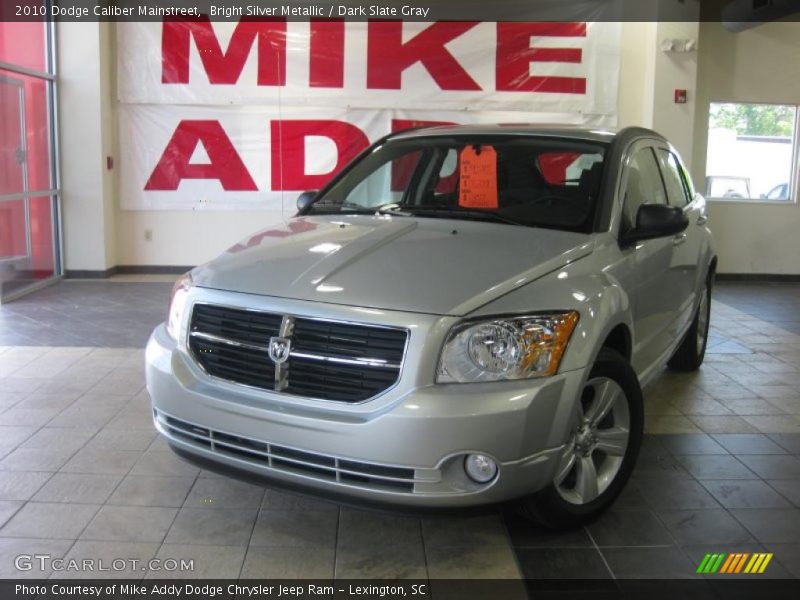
[(82, 474)]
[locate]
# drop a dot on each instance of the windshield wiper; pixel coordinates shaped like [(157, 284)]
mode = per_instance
[(467, 213)]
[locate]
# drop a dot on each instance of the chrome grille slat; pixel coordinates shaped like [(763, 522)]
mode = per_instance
[(275, 456), (328, 360)]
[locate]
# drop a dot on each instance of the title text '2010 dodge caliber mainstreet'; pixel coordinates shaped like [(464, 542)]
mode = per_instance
[(464, 315)]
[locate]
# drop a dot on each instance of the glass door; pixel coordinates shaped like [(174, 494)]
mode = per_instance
[(14, 231), (29, 248)]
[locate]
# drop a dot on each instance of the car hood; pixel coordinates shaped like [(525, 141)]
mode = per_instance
[(437, 266)]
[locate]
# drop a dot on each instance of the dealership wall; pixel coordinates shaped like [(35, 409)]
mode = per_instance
[(757, 65), (99, 235), (185, 238)]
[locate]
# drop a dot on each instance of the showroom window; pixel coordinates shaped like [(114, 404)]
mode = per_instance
[(29, 194), (752, 152)]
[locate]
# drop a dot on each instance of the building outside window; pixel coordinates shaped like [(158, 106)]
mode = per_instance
[(752, 152)]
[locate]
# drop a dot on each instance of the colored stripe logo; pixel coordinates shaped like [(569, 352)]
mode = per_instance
[(735, 562)]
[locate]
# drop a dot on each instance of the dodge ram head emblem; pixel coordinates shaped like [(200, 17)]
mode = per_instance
[(279, 349)]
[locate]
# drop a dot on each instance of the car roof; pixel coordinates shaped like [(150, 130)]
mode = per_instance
[(521, 129)]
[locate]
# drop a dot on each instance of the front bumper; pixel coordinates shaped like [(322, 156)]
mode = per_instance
[(409, 451)]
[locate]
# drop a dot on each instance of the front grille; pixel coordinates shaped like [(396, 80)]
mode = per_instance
[(290, 460), (328, 360)]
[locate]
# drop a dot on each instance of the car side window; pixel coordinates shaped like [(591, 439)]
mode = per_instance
[(644, 186), (677, 194)]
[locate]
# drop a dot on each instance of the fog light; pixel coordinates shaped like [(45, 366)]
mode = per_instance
[(480, 468)]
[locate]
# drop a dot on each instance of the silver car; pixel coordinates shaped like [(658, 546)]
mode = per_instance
[(464, 315)]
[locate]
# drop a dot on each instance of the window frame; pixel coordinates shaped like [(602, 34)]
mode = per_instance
[(664, 166), (794, 175), (652, 146)]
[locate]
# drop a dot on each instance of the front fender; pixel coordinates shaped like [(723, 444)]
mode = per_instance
[(602, 303)]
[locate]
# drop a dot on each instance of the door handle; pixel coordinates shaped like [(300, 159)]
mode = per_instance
[(679, 239), (702, 219)]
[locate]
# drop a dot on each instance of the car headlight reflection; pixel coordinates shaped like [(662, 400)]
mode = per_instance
[(506, 348)]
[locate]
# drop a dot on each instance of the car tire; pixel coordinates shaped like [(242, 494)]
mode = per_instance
[(690, 354), (559, 505)]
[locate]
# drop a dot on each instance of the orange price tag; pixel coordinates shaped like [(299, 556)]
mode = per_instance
[(478, 177)]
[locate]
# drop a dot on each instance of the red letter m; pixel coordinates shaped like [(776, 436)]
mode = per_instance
[(224, 67)]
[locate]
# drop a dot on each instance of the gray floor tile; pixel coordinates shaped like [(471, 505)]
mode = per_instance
[(476, 562), (13, 436), (147, 490), (224, 493), (665, 495), (11, 548), (49, 520), (748, 443), (525, 534), (134, 555), (649, 563), (21, 385), (27, 417), (632, 498), (772, 424), (778, 525), (59, 439), (773, 466), (659, 466), (726, 424), (111, 439), (288, 563), (467, 531), (745, 493), (120, 381), (77, 487), (102, 462), (7, 510), (84, 416), (691, 443), (788, 488), (209, 562), (362, 529), (704, 527), (279, 500), (788, 555), (210, 526), (789, 441), (392, 562), (716, 467), (629, 528), (163, 463), (130, 524), (33, 459), (289, 528), (21, 485), (39, 400), (561, 563)]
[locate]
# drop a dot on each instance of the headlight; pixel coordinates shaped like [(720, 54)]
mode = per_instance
[(177, 305), (511, 348)]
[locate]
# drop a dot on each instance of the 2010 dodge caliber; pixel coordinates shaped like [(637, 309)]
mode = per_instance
[(464, 315)]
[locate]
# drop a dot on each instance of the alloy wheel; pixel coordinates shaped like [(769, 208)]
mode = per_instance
[(593, 456)]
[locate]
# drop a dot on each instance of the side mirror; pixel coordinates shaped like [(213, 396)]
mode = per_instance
[(305, 200), (655, 221)]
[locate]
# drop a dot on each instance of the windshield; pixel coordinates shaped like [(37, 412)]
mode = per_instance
[(529, 181)]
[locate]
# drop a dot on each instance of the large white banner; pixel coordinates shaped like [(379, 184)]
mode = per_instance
[(221, 115)]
